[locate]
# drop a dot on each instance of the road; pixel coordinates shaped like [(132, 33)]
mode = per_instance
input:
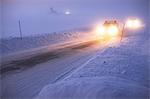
[(28, 76)]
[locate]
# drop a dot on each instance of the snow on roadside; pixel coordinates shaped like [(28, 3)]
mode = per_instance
[(129, 61), (120, 72), (94, 88)]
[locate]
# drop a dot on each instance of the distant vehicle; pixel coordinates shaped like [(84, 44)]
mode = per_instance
[(109, 29), (112, 28)]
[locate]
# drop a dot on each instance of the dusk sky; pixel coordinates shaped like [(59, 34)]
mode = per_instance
[(36, 17)]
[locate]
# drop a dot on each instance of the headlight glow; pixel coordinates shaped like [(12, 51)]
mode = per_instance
[(113, 30), (101, 30), (133, 23)]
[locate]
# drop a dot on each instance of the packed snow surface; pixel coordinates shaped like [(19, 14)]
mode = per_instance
[(120, 72), (94, 88)]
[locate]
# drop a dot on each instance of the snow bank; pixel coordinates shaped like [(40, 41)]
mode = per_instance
[(120, 72), (94, 88)]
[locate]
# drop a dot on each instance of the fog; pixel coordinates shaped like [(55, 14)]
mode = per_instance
[(0, 18), (36, 16)]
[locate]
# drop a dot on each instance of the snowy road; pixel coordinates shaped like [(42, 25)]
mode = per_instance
[(46, 68)]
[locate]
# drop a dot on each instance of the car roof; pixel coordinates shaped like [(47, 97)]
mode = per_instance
[(114, 22)]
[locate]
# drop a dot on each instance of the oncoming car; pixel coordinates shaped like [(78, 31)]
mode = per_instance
[(109, 29), (114, 29)]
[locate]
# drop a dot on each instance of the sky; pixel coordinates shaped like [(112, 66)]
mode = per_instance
[(36, 17), (0, 18)]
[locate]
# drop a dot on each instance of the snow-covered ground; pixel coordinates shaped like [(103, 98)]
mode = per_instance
[(16, 44), (120, 72), (13, 49), (27, 72)]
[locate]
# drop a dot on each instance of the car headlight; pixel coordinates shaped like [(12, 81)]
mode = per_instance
[(101, 30), (113, 30), (133, 23)]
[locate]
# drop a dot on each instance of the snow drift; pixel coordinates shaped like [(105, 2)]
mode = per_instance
[(94, 88)]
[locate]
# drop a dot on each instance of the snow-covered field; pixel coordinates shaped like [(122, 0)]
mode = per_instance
[(16, 44), (120, 72)]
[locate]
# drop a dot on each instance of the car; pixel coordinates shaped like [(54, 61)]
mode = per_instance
[(109, 29)]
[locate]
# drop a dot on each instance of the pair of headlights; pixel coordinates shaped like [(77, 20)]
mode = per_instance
[(111, 30)]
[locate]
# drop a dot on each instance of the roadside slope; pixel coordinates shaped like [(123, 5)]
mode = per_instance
[(120, 72)]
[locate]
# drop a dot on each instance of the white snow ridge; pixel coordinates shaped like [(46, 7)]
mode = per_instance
[(94, 88)]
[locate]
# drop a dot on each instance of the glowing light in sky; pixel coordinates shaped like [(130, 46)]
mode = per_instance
[(67, 12)]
